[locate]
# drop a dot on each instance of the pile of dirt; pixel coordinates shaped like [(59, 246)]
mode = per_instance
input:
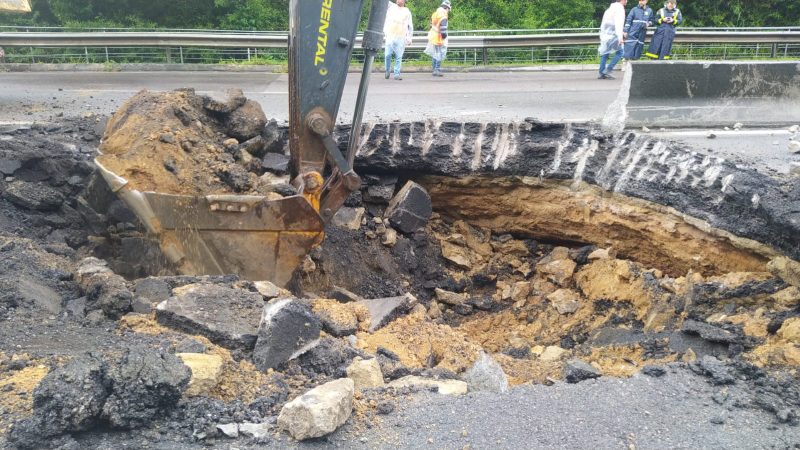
[(182, 143)]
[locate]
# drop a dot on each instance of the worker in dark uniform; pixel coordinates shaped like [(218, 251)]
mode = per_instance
[(636, 24), (667, 18)]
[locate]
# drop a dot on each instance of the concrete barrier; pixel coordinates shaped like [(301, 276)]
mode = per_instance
[(19, 6), (711, 94)]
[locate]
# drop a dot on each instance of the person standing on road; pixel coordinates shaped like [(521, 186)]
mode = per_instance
[(635, 32), (437, 37), (668, 18), (611, 38), (399, 30)]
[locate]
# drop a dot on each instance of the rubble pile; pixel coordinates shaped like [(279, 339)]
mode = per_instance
[(425, 283)]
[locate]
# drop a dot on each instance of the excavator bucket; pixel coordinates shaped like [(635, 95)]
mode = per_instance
[(252, 236), (18, 6), (255, 238)]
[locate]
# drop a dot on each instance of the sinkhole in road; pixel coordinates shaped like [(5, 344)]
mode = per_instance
[(537, 273)]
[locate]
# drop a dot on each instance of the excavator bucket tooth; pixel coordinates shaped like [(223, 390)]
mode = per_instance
[(255, 238)]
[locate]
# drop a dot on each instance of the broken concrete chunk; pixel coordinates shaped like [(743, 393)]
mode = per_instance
[(234, 99), (276, 163), (381, 194), (68, 399), (456, 254), (344, 296), (444, 387), (366, 374), (451, 298), (552, 353), (710, 332), (257, 431), (288, 329), (786, 269), (348, 218), (33, 196), (486, 375), (246, 122), (269, 290), (339, 319), (576, 371), (718, 371), (410, 209), (565, 301), (206, 370), (144, 384), (384, 310), (559, 271), (602, 253), (319, 411), (228, 317), (230, 430), (104, 289)]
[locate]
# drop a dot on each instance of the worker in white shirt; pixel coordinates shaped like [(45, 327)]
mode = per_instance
[(611, 38), (399, 29)]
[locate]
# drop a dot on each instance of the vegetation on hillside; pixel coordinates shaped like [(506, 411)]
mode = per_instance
[(466, 15)]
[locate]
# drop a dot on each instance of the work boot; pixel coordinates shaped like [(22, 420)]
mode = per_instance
[(398, 78), (437, 74), (608, 76), (387, 75)]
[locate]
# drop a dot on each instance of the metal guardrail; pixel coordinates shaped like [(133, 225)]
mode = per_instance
[(255, 40), (37, 44)]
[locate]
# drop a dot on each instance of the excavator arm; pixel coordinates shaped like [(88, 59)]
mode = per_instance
[(321, 40)]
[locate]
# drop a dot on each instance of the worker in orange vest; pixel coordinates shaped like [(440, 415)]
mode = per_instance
[(437, 37)]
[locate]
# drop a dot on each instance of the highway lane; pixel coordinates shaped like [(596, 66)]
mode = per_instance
[(549, 96), (574, 96)]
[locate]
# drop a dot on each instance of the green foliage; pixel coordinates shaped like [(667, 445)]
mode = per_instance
[(272, 15)]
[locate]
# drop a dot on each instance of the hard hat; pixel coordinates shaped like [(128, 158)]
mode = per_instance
[(446, 4)]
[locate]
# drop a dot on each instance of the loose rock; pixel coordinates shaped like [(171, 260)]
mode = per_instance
[(486, 375), (410, 209), (319, 411), (226, 316), (384, 310), (366, 374), (287, 330), (444, 387), (786, 269), (566, 301), (206, 370), (576, 371), (348, 218)]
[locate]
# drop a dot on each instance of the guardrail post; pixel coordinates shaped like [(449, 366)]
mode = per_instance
[(180, 49), (33, 57), (774, 50), (485, 56), (169, 55), (106, 54), (86, 54)]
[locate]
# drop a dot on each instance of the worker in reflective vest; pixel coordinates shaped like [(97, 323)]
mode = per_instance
[(667, 18), (636, 24), (437, 37)]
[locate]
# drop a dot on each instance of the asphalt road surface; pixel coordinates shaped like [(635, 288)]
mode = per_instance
[(574, 96), (549, 96)]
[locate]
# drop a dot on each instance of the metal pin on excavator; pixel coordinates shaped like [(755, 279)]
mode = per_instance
[(261, 239)]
